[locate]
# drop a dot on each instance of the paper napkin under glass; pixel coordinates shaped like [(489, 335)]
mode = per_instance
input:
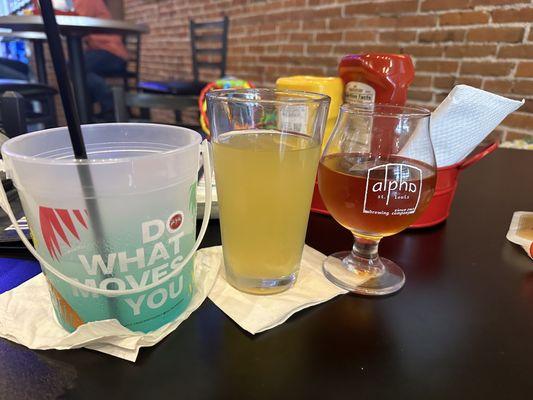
[(258, 313), (27, 317), (460, 123), (521, 231)]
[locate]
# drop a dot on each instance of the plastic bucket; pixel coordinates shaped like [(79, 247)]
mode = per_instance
[(439, 207), (114, 234)]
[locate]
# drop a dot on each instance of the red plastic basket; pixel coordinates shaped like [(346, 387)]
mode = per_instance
[(439, 207)]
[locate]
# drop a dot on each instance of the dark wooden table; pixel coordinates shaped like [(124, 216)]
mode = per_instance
[(462, 327), (74, 28)]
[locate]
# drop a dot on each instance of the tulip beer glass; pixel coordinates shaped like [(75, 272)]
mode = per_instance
[(376, 176), (266, 147)]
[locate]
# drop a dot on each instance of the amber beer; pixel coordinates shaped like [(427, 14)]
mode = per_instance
[(375, 197)]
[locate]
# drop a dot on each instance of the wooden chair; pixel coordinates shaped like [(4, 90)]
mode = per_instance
[(208, 39), (125, 101)]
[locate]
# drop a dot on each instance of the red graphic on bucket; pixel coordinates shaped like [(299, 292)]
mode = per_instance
[(53, 223), (174, 221)]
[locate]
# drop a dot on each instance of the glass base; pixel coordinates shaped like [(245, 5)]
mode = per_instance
[(260, 286), (345, 271)]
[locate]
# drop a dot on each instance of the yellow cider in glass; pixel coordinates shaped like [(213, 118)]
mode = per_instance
[(265, 182)]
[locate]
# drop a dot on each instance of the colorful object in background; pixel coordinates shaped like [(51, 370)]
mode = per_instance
[(61, 7), (223, 83), (14, 50), (376, 78), (330, 86)]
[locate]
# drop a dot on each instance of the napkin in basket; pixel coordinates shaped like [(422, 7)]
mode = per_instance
[(460, 123)]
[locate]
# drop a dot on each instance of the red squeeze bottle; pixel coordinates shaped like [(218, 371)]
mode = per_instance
[(376, 78)]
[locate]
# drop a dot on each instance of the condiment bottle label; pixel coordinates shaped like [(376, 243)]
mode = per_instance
[(359, 93), (293, 119)]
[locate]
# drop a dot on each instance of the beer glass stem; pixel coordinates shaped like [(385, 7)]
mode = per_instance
[(364, 256)]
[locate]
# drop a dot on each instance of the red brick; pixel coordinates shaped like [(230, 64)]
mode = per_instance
[(379, 22), (494, 34), (443, 66), (292, 48), (389, 7), (513, 15), (319, 48), (495, 2), (363, 36), (423, 50), (329, 37), (519, 120), (397, 36), (420, 95), (431, 5), (355, 48), (467, 80), (486, 68), (472, 50), (421, 81), (498, 85), (314, 25), (516, 51), (418, 20), (301, 37), (523, 86), (464, 18), (442, 35), (443, 82), (525, 69), (439, 97), (342, 23)]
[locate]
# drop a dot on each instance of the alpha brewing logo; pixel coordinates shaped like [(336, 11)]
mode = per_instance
[(392, 189)]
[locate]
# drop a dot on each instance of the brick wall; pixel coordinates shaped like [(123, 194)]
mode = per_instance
[(483, 43)]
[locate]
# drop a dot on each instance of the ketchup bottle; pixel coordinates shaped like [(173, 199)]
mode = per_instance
[(376, 78)]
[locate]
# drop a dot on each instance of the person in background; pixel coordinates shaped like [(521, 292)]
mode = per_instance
[(105, 55)]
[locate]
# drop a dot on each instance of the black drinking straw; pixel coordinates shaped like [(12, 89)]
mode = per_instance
[(63, 79), (73, 122)]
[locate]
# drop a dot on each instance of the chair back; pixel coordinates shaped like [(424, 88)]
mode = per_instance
[(38, 99), (123, 102), (12, 114), (209, 46)]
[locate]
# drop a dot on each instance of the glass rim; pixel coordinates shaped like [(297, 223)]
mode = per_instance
[(300, 96), (386, 110)]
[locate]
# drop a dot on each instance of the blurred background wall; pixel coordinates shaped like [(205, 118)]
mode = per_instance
[(483, 43)]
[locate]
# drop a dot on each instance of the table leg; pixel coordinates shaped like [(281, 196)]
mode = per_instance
[(40, 63), (77, 67)]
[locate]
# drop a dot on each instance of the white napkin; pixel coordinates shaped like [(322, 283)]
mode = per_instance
[(27, 317), (521, 231), (256, 313), (460, 123)]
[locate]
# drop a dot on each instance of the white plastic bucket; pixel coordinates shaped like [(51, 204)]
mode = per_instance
[(115, 234)]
